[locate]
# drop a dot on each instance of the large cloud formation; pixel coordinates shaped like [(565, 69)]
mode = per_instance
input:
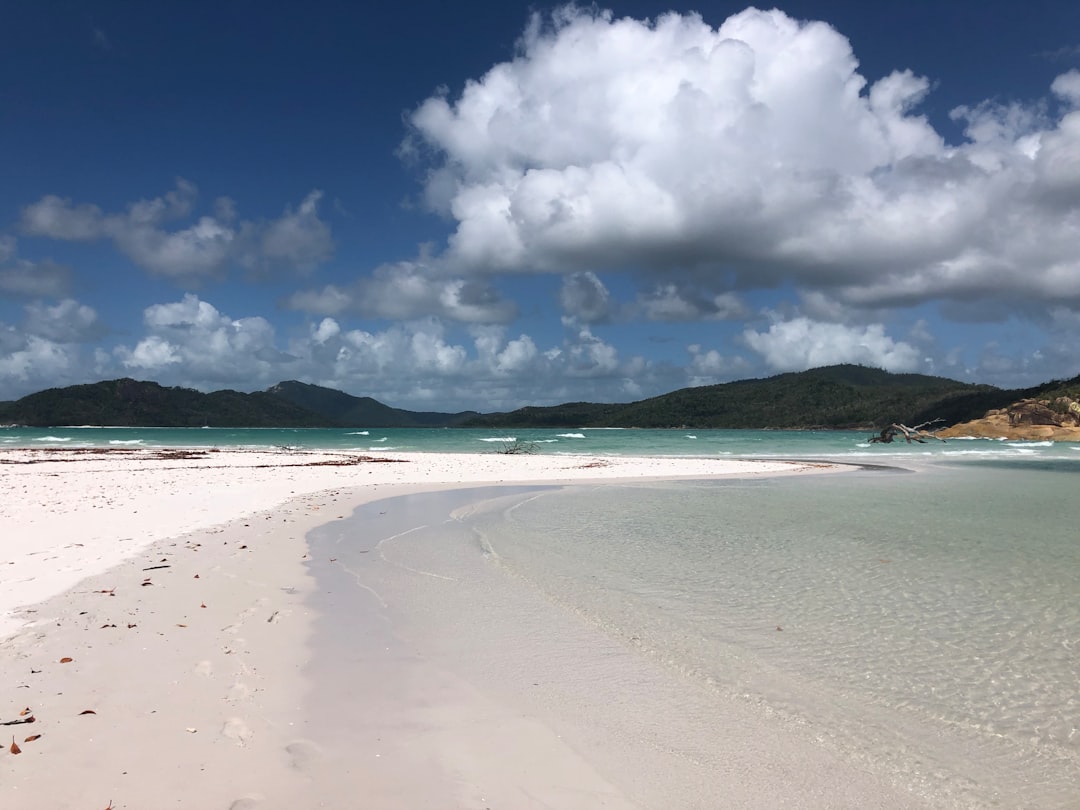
[(746, 178), (747, 156)]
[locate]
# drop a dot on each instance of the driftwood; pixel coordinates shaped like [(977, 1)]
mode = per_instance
[(919, 433)]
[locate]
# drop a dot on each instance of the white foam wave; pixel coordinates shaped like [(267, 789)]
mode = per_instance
[(570, 435), (383, 439), (1031, 444), (691, 436), (52, 439), (501, 439), (358, 433), (125, 441)]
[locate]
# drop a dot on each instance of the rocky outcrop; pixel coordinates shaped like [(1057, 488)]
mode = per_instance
[(1029, 419)]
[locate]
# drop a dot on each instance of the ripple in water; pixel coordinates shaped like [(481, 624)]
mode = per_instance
[(927, 625)]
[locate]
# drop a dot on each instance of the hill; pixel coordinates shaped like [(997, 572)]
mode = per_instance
[(843, 396), (339, 408), (131, 403)]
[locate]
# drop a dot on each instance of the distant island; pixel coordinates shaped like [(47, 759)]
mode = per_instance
[(832, 397)]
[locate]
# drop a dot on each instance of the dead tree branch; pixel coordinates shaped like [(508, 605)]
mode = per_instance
[(919, 433)]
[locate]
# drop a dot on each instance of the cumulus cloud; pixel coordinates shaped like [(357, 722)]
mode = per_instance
[(1067, 87), (47, 348), (800, 343), (408, 290), (65, 322), (29, 363), (584, 297), (298, 240), (709, 366), (741, 157), (423, 364), (19, 277), (192, 341), (671, 302)]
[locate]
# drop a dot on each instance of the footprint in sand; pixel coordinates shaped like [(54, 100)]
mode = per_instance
[(204, 668), (246, 803), (238, 691), (302, 753), (237, 730)]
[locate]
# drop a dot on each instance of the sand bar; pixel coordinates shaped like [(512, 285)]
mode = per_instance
[(157, 611)]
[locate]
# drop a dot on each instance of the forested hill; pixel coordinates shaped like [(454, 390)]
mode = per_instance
[(831, 397), (132, 403), (340, 408)]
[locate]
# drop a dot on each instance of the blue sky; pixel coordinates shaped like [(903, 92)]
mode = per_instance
[(486, 205)]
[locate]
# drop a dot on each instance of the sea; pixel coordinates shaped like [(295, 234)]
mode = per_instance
[(838, 445), (918, 614)]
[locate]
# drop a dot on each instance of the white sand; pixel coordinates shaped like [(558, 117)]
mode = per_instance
[(177, 588), (69, 514)]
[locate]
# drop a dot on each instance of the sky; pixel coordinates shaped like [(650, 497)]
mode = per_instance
[(486, 205)]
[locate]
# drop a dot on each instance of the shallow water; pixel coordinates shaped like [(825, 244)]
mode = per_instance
[(925, 625), (838, 445)]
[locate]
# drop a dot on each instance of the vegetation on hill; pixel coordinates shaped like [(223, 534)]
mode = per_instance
[(339, 408), (844, 396), (841, 396), (128, 403)]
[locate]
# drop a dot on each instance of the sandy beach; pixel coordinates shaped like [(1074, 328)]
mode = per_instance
[(157, 615)]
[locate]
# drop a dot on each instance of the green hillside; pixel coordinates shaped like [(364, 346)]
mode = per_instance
[(831, 397), (845, 396), (339, 408), (130, 403)]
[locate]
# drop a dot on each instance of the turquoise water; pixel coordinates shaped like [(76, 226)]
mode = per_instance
[(840, 445), (925, 625)]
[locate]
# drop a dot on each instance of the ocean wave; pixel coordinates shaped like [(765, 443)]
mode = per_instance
[(570, 435), (691, 436), (500, 439), (1031, 444), (125, 441), (358, 433), (52, 439)]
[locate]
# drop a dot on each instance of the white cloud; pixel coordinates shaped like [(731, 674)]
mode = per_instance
[(29, 363), (65, 322), (43, 279), (584, 297), (408, 290), (1067, 87), (298, 240), (190, 342), (743, 157), (800, 343), (152, 354), (709, 366), (45, 351), (670, 302)]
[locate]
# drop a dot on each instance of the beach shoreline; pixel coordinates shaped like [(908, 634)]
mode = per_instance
[(175, 583)]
